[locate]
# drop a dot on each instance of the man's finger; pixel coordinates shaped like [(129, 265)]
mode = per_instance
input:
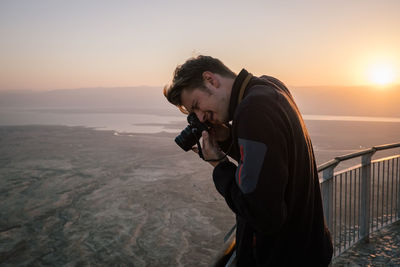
[(206, 140), (205, 135), (195, 149)]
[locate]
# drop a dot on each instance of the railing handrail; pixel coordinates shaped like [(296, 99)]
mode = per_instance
[(330, 205), (339, 159), (362, 196)]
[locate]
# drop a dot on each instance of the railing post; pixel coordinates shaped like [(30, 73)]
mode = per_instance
[(365, 196), (327, 195), (398, 187)]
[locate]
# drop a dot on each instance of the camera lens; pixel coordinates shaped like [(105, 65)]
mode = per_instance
[(186, 139), (191, 134)]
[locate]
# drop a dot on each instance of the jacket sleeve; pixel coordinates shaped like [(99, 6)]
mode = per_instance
[(255, 189)]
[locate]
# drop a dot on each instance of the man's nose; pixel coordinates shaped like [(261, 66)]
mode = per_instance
[(200, 115)]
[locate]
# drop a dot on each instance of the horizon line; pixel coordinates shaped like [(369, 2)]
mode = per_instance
[(162, 86)]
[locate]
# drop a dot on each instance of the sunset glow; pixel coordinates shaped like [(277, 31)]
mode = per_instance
[(382, 74), (49, 45)]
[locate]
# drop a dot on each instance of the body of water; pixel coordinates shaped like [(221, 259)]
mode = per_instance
[(132, 121), (332, 136), (118, 120)]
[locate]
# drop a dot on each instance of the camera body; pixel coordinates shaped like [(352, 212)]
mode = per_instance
[(191, 134)]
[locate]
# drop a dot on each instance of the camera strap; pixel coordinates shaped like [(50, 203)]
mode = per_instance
[(243, 87), (240, 97), (199, 148)]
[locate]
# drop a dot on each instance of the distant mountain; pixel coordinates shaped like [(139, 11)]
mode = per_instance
[(85, 97), (322, 100), (349, 101)]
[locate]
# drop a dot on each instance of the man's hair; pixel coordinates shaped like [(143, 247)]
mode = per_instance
[(189, 76)]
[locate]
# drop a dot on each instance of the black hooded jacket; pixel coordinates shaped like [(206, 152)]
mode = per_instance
[(274, 189)]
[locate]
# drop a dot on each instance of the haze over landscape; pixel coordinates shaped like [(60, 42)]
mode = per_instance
[(312, 100)]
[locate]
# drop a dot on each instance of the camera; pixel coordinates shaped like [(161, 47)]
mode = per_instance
[(191, 134)]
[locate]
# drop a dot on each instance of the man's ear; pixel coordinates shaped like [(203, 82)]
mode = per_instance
[(211, 78)]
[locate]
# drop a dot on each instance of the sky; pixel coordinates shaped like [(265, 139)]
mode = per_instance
[(54, 44)]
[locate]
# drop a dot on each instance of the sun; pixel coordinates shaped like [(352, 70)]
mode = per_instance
[(381, 74)]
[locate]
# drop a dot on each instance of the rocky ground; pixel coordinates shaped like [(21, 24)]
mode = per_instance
[(75, 196)]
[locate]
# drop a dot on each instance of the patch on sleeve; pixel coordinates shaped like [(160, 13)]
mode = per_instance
[(252, 154)]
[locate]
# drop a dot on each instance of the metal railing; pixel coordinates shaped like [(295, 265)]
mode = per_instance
[(362, 199), (357, 201)]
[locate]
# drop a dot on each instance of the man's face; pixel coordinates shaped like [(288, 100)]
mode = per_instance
[(209, 105)]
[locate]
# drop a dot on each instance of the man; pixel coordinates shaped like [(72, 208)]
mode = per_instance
[(274, 189)]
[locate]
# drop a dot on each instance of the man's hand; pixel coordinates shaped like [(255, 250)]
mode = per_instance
[(220, 132), (211, 149)]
